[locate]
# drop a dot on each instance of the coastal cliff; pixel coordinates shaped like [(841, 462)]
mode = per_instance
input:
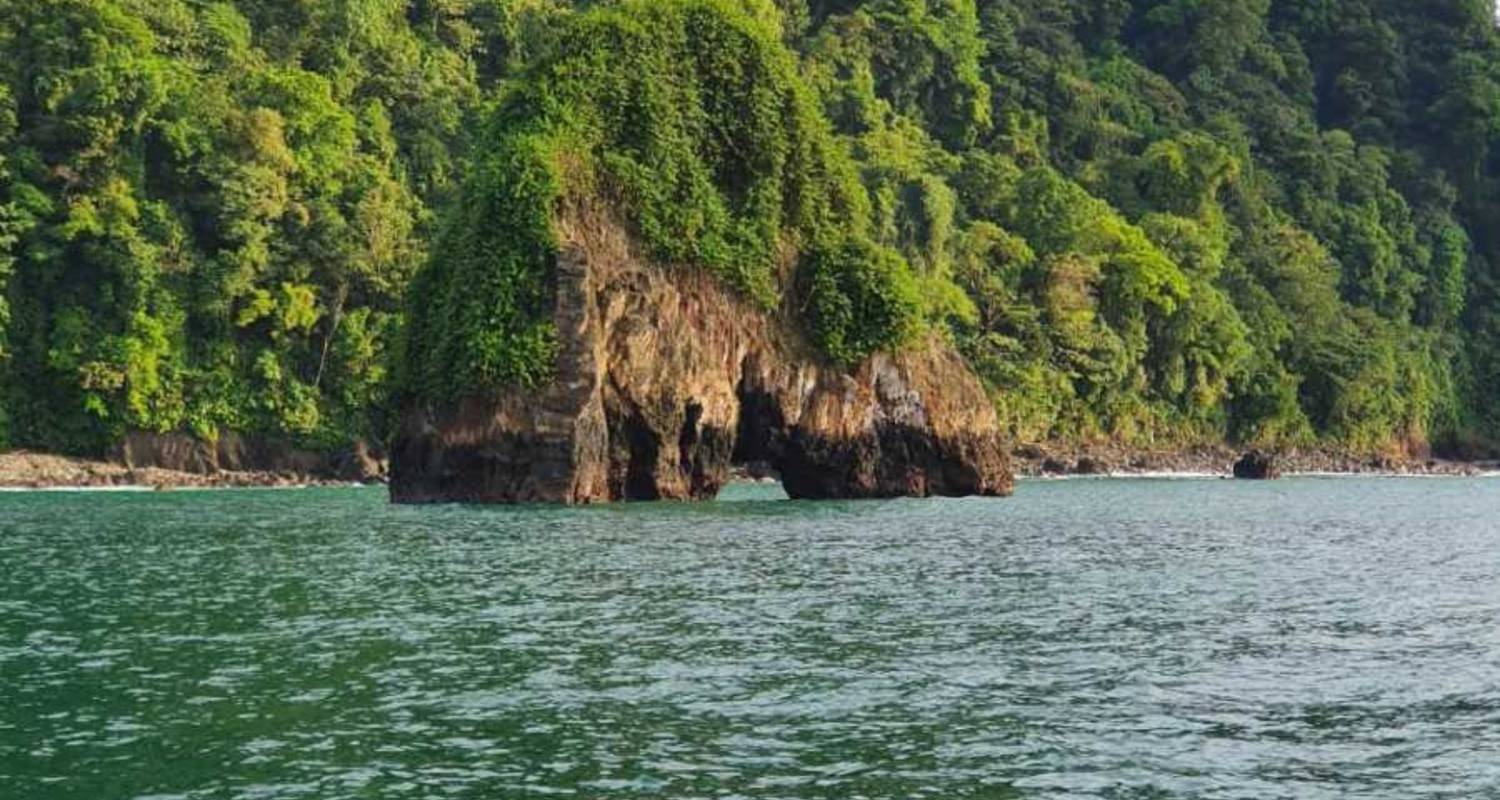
[(664, 379)]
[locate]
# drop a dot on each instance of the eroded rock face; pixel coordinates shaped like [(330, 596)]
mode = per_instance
[(665, 380), (231, 452)]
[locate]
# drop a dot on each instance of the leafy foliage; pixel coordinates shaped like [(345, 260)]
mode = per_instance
[(1147, 220), (860, 298), (202, 201)]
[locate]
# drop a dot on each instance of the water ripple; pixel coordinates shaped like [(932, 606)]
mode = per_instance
[(1122, 639)]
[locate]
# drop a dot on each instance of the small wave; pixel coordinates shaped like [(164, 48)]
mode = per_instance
[(1326, 475), (1118, 476), (1168, 475), (165, 488), (74, 489)]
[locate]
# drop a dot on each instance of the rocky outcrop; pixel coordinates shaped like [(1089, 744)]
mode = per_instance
[(665, 379), (1060, 458), (1257, 465), (22, 469), (234, 453)]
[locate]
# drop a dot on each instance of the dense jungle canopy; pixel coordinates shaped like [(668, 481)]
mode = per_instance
[(1166, 221)]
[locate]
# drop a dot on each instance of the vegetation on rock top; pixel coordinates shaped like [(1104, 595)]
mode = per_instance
[(690, 118)]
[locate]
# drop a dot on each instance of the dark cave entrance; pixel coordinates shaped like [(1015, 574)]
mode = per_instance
[(645, 449), (760, 439), (644, 467)]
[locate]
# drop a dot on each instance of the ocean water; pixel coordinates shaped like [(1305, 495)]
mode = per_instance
[(1085, 639)]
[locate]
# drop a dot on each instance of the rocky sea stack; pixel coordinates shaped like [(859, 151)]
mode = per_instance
[(665, 264), (664, 380)]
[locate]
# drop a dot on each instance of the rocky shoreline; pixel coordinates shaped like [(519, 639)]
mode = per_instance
[(146, 460), (1064, 460), (24, 469)]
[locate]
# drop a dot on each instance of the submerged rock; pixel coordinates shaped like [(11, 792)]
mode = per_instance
[(664, 379), (1257, 465)]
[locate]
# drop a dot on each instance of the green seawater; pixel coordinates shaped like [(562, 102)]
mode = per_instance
[(1086, 639)]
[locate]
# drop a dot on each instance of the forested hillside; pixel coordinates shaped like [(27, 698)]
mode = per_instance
[(1164, 221)]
